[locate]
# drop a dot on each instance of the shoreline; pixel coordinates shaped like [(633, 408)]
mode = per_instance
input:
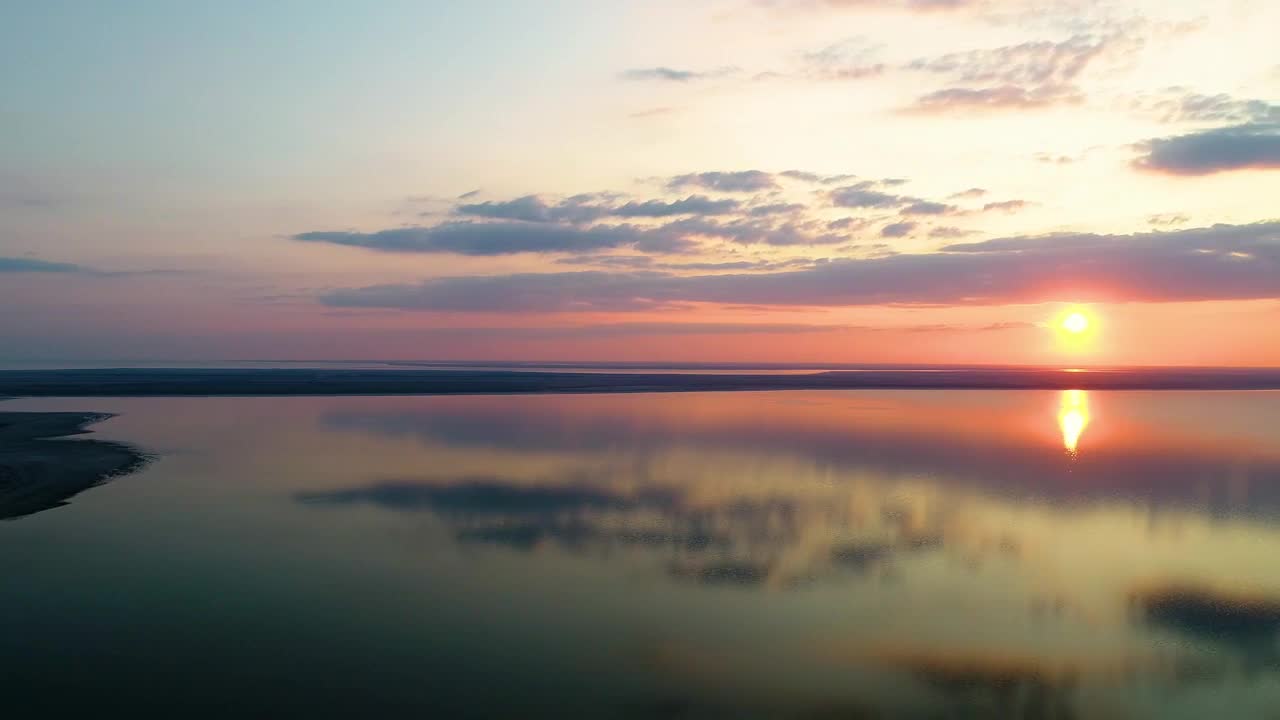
[(161, 382), (41, 469)]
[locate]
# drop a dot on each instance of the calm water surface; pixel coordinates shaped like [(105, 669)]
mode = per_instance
[(856, 554)]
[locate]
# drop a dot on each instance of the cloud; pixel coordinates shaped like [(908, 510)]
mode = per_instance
[(751, 231), (1052, 159), (710, 329), (975, 192), (851, 59), (692, 205), (948, 232), (652, 112), (898, 229), (1253, 146), (1180, 105), (858, 196), (848, 223), (502, 238), (1030, 63), (529, 208), (31, 265), (867, 194), (1168, 219), (1073, 15), (581, 224), (816, 178), (855, 72), (629, 262), (654, 329), (648, 262), (594, 206), (530, 225), (937, 4), (776, 209), (740, 181), (1028, 75), (1222, 262), (648, 329), (926, 207), (1008, 206), (1004, 97), (666, 74), (527, 292), (921, 6)]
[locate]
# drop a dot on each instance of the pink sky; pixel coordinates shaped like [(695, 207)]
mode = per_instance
[(736, 180)]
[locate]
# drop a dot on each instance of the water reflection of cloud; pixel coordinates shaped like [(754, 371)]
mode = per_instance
[(485, 496), (1247, 623), (773, 540), (1005, 457), (991, 685), (1008, 683), (944, 529)]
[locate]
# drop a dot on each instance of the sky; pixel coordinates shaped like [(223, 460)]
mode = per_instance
[(843, 181)]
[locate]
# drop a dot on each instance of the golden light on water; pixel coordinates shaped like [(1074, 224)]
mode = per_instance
[(1073, 418)]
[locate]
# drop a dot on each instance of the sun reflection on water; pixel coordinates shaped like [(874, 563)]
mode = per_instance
[(1073, 418)]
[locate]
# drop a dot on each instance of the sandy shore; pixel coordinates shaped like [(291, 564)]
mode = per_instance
[(39, 471)]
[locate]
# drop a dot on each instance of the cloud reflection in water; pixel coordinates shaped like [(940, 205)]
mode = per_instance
[(976, 562)]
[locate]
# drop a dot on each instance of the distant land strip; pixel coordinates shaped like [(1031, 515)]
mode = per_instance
[(125, 382)]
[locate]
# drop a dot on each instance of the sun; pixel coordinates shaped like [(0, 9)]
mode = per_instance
[(1075, 323), (1076, 327)]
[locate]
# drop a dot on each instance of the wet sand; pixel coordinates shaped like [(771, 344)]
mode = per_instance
[(40, 470), (292, 381)]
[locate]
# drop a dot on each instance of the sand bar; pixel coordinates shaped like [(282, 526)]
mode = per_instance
[(40, 470)]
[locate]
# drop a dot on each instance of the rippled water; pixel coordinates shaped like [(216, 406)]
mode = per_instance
[(857, 554)]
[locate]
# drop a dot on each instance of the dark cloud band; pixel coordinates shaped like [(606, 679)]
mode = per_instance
[(1240, 147), (1222, 262), (31, 265)]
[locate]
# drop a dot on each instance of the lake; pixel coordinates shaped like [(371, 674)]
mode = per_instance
[(803, 554)]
